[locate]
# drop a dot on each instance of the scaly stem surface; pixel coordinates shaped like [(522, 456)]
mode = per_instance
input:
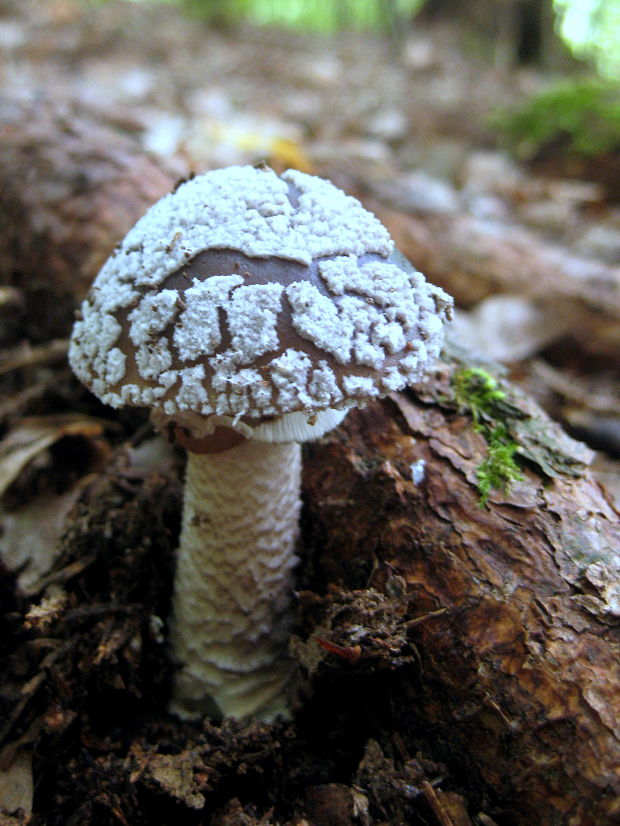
[(234, 581)]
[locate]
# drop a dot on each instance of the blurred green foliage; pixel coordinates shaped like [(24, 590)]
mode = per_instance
[(315, 15), (592, 28), (580, 115)]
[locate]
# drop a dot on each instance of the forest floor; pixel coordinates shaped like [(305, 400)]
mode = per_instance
[(411, 136)]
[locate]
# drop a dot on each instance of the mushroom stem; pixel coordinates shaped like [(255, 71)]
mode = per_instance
[(233, 587)]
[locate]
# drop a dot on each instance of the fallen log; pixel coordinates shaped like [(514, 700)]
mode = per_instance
[(70, 187), (512, 605)]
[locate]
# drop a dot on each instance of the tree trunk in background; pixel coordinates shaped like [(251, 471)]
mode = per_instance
[(522, 31), (513, 608), (342, 18), (530, 31), (436, 10), (395, 24)]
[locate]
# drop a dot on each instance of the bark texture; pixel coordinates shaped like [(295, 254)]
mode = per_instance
[(70, 189), (513, 607)]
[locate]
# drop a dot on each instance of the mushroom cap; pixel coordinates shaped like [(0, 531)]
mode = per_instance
[(243, 296)]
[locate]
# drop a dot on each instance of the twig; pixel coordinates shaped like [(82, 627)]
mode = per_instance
[(435, 803), (28, 356)]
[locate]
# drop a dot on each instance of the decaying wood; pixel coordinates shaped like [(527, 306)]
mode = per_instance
[(516, 604), (513, 608), (70, 188)]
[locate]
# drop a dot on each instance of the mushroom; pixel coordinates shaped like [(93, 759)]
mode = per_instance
[(250, 312)]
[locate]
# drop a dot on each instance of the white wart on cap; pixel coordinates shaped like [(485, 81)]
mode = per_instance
[(244, 296)]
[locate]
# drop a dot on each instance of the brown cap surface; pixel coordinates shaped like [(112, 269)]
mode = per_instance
[(248, 296)]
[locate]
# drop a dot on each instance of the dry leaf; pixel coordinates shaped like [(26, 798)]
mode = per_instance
[(36, 434), (16, 787), (29, 539)]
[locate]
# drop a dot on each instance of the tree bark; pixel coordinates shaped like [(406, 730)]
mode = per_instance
[(513, 607)]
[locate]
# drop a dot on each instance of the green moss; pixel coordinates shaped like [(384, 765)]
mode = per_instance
[(479, 394), (582, 114), (500, 468), (477, 391)]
